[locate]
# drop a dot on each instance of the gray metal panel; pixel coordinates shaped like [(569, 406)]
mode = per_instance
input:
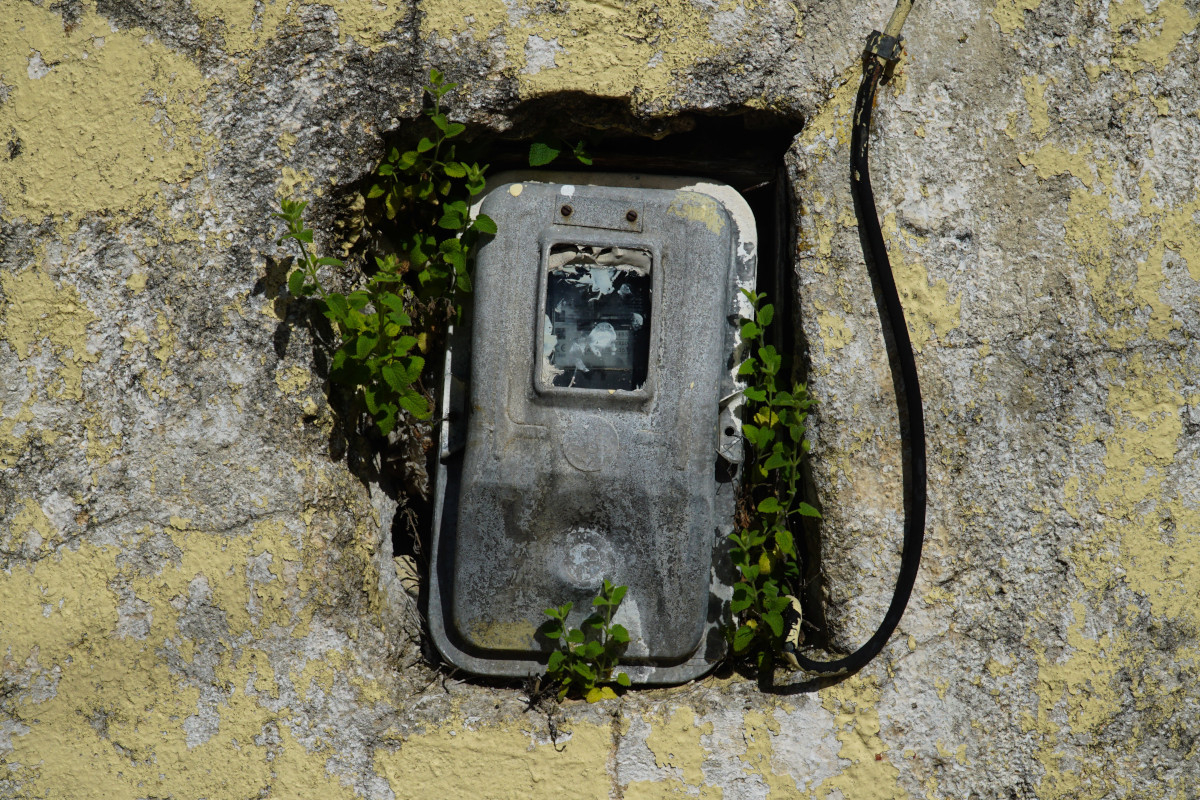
[(559, 488)]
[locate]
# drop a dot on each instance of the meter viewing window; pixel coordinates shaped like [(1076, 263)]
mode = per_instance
[(597, 317)]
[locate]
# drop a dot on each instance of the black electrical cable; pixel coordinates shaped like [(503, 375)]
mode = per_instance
[(882, 50)]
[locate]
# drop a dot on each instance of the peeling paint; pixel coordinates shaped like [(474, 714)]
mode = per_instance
[(1010, 14), (928, 309), (1161, 31), (698, 207), (140, 130), (1050, 293), (1051, 160), (448, 761), (675, 743), (35, 311)]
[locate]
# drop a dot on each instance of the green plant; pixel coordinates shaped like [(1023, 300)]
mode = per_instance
[(542, 152), (410, 295), (587, 656), (374, 355), (426, 193), (764, 550)]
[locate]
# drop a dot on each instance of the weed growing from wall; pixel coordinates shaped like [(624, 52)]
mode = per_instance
[(586, 657), (766, 612), (426, 194)]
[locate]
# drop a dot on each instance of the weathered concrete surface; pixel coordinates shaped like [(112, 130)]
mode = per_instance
[(197, 590)]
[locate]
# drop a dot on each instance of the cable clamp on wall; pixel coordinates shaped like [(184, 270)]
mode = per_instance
[(885, 47)]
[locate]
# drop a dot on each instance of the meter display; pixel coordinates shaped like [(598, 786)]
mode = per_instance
[(597, 317), (588, 403)]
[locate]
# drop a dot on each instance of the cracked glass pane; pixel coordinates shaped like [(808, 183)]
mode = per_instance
[(597, 325)]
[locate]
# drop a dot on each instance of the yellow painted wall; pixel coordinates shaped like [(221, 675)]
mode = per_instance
[(189, 609)]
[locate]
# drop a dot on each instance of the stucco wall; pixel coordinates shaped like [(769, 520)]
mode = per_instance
[(198, 596)]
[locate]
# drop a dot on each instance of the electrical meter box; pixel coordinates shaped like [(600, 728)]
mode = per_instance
[(591, 423)]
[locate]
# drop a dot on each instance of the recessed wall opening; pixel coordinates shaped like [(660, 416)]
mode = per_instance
[(592, 337)]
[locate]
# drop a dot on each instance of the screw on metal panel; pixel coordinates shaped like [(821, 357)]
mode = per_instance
[(566, 211), (631, 216)]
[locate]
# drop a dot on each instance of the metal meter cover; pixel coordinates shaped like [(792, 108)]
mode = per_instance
[(591, 423)]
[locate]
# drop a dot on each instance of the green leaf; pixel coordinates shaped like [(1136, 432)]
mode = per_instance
[(394, 377), (415, 365), (387, 421), (805, 510), (415, 403), (592, 651), (454, 129), (402, 345), (622, 679), (598, 693), (455, 169), (783, 538), (575, 636), (742, 638), (784, 399), (556, 658), (384, 169), (747, 367), (425, 145), (393, 303), (775, 621), (765, 315), (769, 505), (542, 153), (776, 460), (364, 346), (619, 634), (337, 306), (329, 262), (376, 191), (750, 330), (463, 281), (757, 395), (743, 598), (296, 283), (770, 359), (484, 224), (369, 399)]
